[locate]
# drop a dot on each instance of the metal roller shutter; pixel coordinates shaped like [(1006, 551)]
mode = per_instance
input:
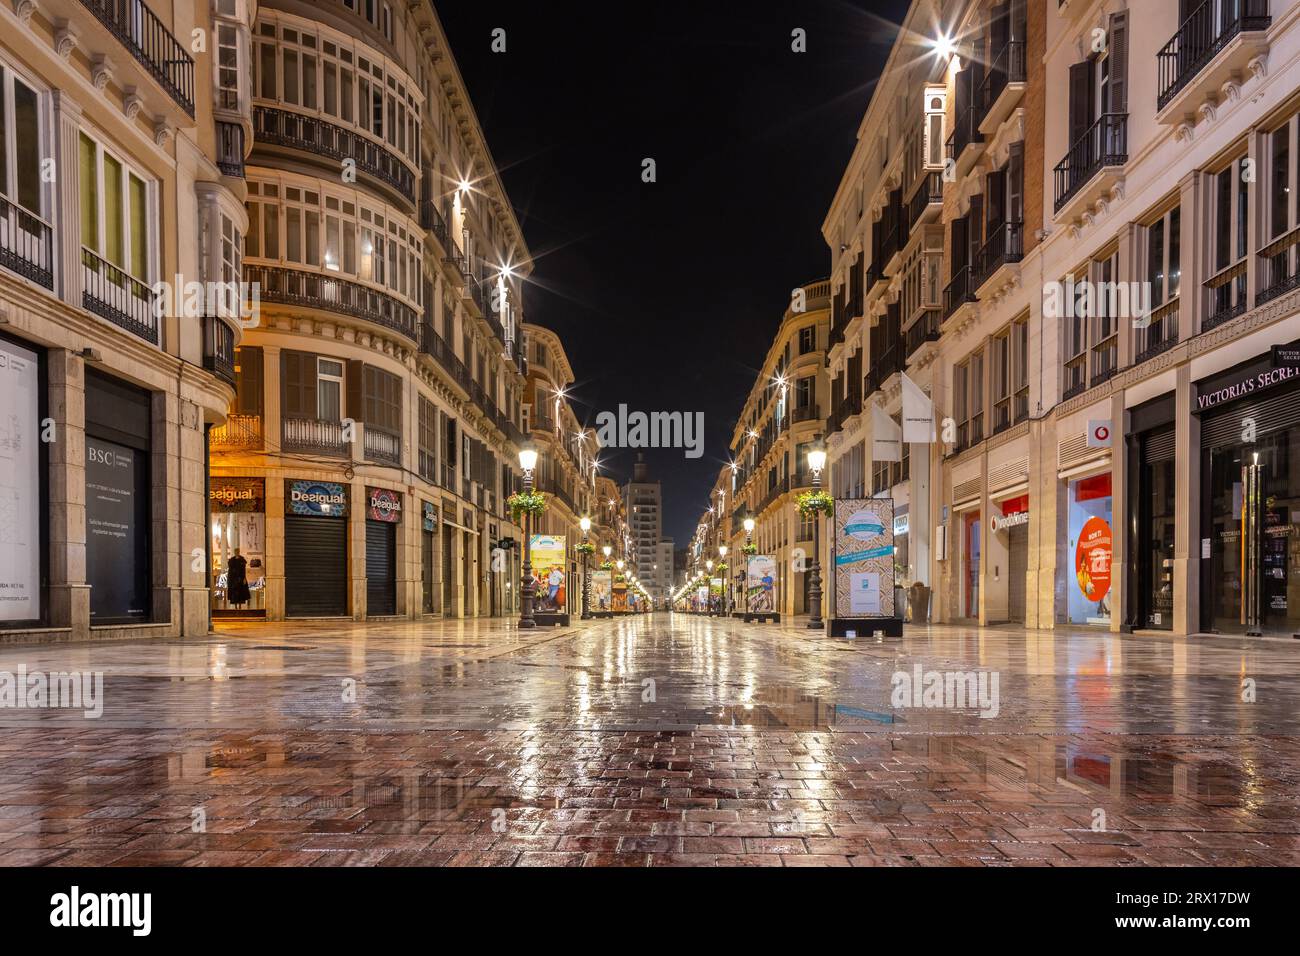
[(381, 568), (315, 566), (1225, 428)]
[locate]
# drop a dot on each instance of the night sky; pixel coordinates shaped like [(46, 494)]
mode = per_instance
[(667, 294)]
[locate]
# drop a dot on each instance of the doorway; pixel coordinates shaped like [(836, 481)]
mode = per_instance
[(971, 566)]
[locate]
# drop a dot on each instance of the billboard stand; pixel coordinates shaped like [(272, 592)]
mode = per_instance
[(760, 590), (551, 605), (863, 563)]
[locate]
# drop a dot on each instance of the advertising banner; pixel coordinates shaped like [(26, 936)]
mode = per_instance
[(383, 504), (620, 595), (430, 516), (117, 518), (602, 590), (240, 495), (760, 583), (322, 499), (549, 567), (20, 485), (864, 557)]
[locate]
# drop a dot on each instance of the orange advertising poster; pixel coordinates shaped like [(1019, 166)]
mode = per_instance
[(1092, 559)]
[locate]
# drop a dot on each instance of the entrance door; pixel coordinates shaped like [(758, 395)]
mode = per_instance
[(426, 570), (467, 567), (381, 568), (315, 566), (1017, 571), (448, 586), (971, 603)]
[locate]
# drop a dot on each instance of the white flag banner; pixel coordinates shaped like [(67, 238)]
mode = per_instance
[(918, 414), (886, 436)]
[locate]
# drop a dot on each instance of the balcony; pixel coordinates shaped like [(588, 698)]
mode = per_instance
[(927, 201), (219, 348), (431, 220), (1279, 267), (26, 244), (276, 127), (966, 141), (887, 364), (846, 408), (115, 295), (1161, 333), (957, 293), (298, 287), (923, 330), (230, 149), (382, 445), (1004, 247), (1094, 159), (1225, 294), (312, 436), (1003, 86), (240, 432), (1206, 52), (152, 45), (432, 344), (805, 413)]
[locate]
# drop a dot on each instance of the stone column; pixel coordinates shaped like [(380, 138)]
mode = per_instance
[(1120, 599), (1187, 504), (67, 213), (69, 594), (275, 501), (357, 544)]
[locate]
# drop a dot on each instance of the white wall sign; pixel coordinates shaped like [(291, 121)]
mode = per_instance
[(1099, 434), (20, 510)]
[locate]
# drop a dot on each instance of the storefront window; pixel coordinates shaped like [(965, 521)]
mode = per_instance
[(1159, 490), (1090, 550), (238, 527)]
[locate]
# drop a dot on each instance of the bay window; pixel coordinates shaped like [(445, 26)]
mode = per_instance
[(1279, 260), (25, 235), (1229, 204), (1163, 276)]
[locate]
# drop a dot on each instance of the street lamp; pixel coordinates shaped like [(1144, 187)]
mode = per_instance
[(726, 584), (585, 525), (527, 462), (816, 462)]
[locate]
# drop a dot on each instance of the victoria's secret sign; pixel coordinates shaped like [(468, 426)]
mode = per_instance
[(1252, 383)]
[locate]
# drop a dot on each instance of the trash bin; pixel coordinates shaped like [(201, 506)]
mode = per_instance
[(918, 599)]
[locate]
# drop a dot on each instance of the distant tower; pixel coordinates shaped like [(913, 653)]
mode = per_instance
[(643, 500)]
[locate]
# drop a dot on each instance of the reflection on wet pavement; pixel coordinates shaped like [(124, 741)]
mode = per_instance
[(654, 741)]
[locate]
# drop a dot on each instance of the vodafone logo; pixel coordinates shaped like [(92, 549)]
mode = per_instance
[(1099, 433)]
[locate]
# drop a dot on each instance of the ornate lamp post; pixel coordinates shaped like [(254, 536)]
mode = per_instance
[(585, 525), (527, 462), (816, 462), (708, 576), (726, 585)]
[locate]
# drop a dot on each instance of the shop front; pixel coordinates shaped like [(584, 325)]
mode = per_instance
[(315, 549), (118, 441), (1250, 518), (428, 553), (383, 517), (23, 507), (1151, 474), (237, 520), (1090, 550)]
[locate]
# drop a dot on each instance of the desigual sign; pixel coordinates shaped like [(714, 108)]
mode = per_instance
[(383, 504), (236, 494), (325, 499)]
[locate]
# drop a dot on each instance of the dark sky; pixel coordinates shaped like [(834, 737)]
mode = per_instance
[(667, 294)]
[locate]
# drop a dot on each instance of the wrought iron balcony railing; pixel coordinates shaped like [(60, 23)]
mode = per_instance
[(1008, 66), (1161, 333), (26, 244), (115, 295), (1104, 144), (239, 431), (1004, 245), (382, 445), (151, 43), (958, 291), (219, 348), (278, 127), (1202, 37), (314, 290), (925, 329), (313, 436)]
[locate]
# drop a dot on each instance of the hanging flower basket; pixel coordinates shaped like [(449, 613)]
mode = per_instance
[(815, 502), (586, 547), (606, 565), (720, 567), (750, 549), (526, 503), (619, 579)]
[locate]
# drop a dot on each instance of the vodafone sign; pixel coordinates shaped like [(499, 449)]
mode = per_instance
[(1099, 434)]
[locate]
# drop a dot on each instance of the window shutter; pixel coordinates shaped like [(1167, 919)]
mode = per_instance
[(999, 31), (298, 384), (1015, 184), (957, 251), (973, 229), (248, 399), (1018, 20), (1118, 64), (354, 383), (1080, 100)]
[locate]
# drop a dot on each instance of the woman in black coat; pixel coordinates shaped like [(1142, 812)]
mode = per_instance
[(237, 580)]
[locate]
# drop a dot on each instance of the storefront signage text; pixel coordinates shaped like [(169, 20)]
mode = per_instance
[(383, 505), (318, 498), (1248, 386)]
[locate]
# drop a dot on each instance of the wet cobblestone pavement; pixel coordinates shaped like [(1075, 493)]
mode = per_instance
[(656, 741)]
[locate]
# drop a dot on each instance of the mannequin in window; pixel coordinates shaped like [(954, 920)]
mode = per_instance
[(237, 580)]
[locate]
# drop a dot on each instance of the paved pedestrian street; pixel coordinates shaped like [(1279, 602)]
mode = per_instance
[(656, 740)]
